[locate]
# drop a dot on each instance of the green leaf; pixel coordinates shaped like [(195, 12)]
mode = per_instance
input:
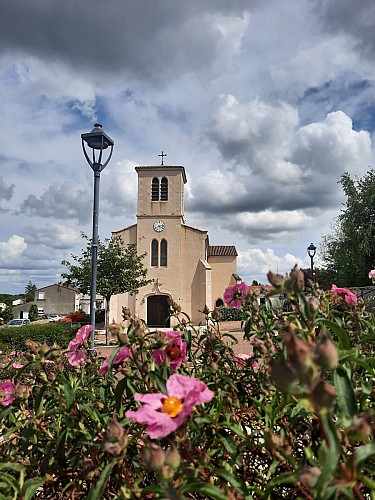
[(286, 478), (368, 482), (30, 487), (119, 391), (210, 490), (345, 393), (39, 400), (97, 492), (233, 480), (12, 481), (12, 466), (60, 445), (363, 453), (342, 335), (68, 394), (228, 442)]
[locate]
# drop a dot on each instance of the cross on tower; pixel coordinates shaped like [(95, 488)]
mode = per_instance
[(162, 157)]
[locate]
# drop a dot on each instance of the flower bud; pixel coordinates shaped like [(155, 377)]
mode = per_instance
[(309, 476), (296, 280), (282, 376), (172, 457), (313, 304), (216, 314), (115, 438), (153, 456), (33, 347), (206, 310), (299, 352), (363, 424), (325, 353), (126, 313), (323, 395), (276, 280), (273, 440)]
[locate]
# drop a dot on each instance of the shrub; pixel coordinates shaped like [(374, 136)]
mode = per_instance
[(33, 312), (179, 415), (49, 333)]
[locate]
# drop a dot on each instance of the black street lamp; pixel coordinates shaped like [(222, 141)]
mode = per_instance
[(98, 141), (311, 250)]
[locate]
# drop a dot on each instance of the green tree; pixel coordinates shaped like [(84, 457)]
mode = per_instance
[(349, 252), (33, 312), (7, 314), (119, 269), (30, 290)]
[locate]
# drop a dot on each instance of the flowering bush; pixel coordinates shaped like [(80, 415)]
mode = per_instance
[(187, 415)]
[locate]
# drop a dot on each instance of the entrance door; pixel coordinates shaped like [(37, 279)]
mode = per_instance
[(158, 311)]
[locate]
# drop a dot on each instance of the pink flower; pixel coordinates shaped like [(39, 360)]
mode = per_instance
[(174, 353), (75, 355), (164, 413), (241, 359), (16, 364), (76, 358), (349, 296), (82, 335), (123, 353), (371, 274), (235, 295), (7, 392)]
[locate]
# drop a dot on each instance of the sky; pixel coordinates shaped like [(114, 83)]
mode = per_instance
[(265, 103)]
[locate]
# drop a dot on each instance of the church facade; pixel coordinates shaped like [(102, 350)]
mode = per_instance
[(184, 267)]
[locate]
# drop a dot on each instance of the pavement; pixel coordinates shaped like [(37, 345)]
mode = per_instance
[(232, 327)]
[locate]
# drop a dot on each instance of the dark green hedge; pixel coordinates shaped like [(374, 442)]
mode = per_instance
[(230, 314), (51, 333)]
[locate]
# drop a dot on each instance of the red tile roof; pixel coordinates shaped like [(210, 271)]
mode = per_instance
[(222, 250)]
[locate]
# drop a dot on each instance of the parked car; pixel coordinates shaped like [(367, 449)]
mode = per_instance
[(18, 322), (54, 317)]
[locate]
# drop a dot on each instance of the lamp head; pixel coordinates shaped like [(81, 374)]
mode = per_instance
[(311, 250), (97, 138)]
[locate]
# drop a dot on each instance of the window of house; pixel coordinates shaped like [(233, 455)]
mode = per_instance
[(40, 310), (41, 296), (163, 253), (154, 253), (155, 189), (219, 303), (164, 189)]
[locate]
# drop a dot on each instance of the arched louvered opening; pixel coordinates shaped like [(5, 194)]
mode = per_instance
[(155, 189), (154, 253), (164, 189), (163, 253)]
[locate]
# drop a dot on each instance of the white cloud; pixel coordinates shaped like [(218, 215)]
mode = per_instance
[(12, 250), (255, 264)]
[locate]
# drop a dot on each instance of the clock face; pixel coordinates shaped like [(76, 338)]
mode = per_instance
[(159, 226)]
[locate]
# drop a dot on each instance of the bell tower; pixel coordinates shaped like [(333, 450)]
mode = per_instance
[(161, 192)]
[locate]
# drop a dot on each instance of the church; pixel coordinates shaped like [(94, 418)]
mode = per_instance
[(184, 267)]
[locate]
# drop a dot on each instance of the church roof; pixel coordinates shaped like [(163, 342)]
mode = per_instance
[(163, 167), (222, 250)]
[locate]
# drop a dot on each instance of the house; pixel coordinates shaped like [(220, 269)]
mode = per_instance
[(56, 299), (183, 265)]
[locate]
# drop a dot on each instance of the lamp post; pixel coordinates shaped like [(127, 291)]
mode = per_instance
[(311, 250), (98, 141)]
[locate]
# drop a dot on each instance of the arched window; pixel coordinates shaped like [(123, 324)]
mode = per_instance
[(154, 253), (164, 189), (219, 303), (155, 189), (163, 253)]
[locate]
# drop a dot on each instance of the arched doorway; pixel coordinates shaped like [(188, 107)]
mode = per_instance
[(158, 311)]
